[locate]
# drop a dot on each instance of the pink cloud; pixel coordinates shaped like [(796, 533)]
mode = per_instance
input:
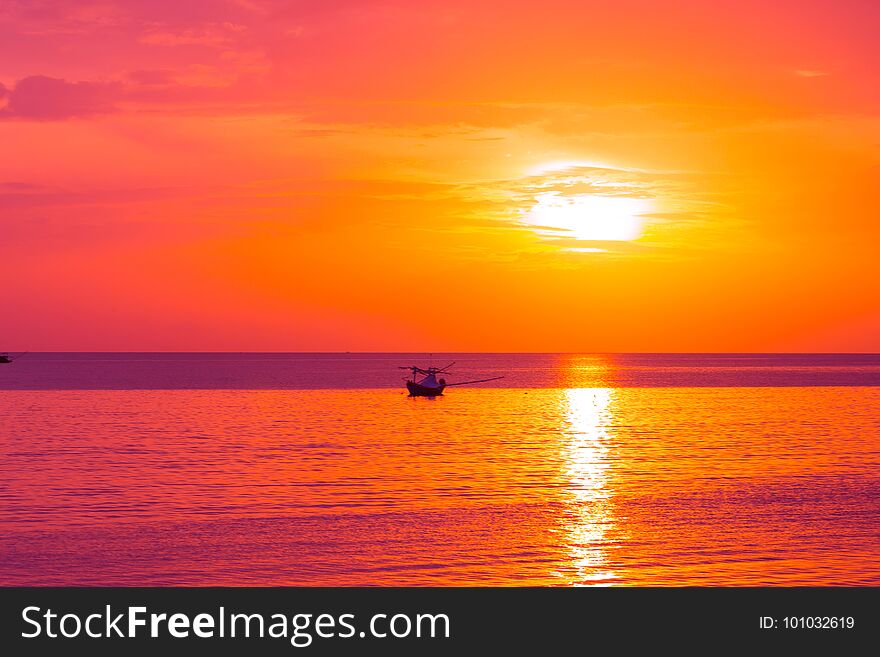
[(152, 77), (42, 98)]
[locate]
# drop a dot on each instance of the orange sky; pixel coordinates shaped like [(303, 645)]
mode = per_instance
[(439, 176)]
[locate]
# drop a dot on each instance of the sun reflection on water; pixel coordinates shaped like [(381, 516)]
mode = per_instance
[(587, 458)]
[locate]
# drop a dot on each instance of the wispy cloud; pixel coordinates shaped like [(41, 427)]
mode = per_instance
[(216, 35)]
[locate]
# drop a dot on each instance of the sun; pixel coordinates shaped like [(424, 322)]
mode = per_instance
[(587, 217)]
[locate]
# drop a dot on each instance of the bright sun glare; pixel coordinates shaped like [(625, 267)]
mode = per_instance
[(588, 217)]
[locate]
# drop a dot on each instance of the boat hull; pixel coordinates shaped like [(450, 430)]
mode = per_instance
[(416, 390)]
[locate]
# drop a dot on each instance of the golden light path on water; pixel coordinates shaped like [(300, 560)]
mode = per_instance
[(587, 459)]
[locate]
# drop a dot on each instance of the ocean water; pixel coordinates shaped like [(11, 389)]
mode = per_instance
[(317, 469)]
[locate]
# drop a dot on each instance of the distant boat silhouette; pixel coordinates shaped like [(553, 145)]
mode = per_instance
[(429, 385), (6, 358)]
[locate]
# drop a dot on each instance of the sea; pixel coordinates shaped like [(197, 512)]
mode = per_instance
[(287, 469)]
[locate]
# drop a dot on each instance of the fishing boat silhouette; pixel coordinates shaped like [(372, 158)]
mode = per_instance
[(429, 385)]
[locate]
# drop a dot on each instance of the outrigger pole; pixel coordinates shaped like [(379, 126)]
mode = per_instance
[(461, 383)]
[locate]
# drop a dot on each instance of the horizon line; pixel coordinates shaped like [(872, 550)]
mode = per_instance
[(429, 353)]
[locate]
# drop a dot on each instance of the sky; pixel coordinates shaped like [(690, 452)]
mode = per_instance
[(259, 175)]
